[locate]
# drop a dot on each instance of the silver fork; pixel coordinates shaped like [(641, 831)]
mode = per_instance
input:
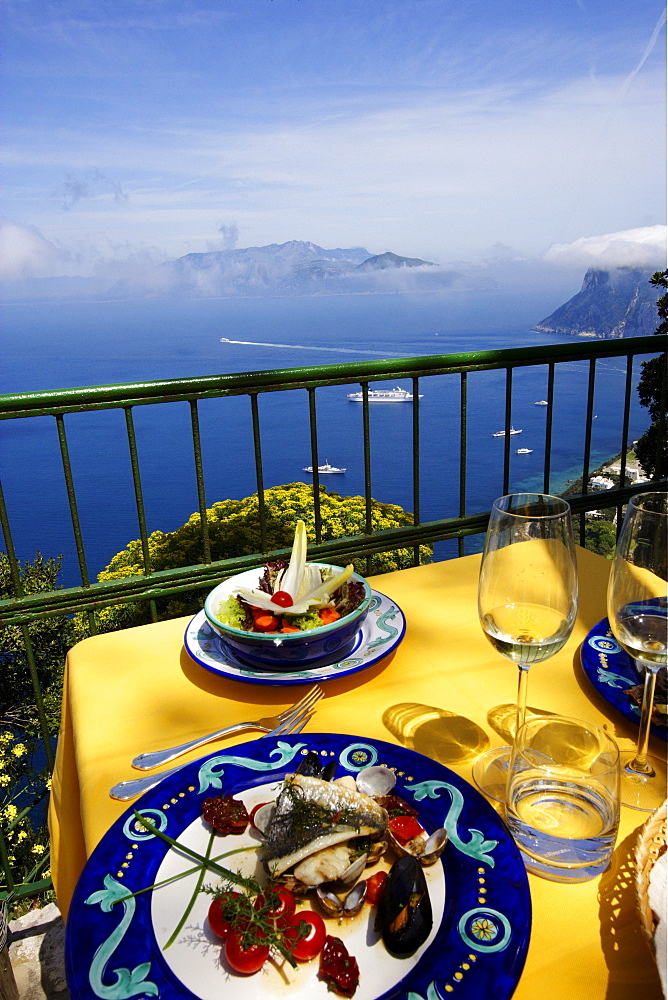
[(271, 724), (136, 786)]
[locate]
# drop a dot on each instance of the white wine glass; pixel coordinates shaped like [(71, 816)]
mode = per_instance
[(527, 598), (637, 616)]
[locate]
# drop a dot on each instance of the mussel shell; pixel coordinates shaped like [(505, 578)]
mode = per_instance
[(404, 916), (329, 770), (310, 765)]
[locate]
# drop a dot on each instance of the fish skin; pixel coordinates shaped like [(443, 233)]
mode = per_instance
[(286, 845)]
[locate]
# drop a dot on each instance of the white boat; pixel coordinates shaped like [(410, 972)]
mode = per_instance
[(501, 434), (225, 340), (540, 402), (324, 470), (524, 451), (385, 396)]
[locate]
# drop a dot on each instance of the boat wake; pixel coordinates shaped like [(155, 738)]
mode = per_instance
[(313, 347)]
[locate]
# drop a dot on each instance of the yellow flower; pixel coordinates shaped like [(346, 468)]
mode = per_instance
[(5, 780), (38, 848), (10, 811), (20, 750)]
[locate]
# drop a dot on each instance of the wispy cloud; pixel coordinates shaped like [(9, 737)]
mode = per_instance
[(432, 129), (92, 183)]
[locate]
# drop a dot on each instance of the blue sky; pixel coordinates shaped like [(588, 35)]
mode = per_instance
[(140, 130)]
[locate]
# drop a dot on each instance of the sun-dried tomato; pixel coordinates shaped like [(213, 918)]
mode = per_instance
[(396, 806), (226, 814), (338, 968)]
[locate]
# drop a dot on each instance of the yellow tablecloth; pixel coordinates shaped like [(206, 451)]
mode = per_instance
[(139, 690)]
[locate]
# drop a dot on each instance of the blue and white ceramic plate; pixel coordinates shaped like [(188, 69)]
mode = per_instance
[(612, 672), (381, 632), (114, 948)]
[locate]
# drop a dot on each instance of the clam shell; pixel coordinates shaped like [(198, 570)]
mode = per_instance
[(376, 780), (329, 900), (338, 905), (263, 817), (354, 870), (427, 850), (354, 901), (434, 847)]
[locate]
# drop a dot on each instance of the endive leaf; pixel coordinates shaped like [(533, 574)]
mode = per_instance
[(328, 586), (293, 576)]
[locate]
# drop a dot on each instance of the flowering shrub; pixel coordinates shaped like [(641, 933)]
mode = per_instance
[(234, 530), (26, 840)]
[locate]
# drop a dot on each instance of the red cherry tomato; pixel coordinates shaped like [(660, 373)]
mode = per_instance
[(405, 828), (217, 922), (282, 598), (245, 960), (307, 947), (374, 887), (277, 904)]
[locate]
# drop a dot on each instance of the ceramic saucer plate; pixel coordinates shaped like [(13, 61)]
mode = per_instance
[(382, 631), (612, 672)]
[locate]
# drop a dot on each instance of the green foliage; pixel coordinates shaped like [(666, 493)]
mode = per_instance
[(234, 530), (652, 447), (50, 638), (600, 537)]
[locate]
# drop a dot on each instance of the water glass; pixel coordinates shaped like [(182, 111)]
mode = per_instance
[(562, 797)]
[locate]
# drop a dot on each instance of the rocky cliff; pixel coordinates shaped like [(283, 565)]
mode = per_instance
[(610, 304)]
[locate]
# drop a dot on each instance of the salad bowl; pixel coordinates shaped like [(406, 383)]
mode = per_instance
[(313, 647)]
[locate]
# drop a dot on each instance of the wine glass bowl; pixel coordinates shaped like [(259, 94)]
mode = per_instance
[(637, 616), (527, 597)]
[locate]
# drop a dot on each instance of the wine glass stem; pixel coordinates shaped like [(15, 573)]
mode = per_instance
[(640, 762), (522, 683)]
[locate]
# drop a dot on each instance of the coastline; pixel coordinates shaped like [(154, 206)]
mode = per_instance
[(575, 488)]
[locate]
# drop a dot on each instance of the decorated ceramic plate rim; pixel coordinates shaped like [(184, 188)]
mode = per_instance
[(479, 949), (381, 632), (610, 670)]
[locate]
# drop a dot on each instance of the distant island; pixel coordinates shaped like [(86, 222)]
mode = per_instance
[(297, 267), (293, 268), (611, 304)]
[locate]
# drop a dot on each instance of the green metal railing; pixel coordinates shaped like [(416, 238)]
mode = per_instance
[(22, 609)]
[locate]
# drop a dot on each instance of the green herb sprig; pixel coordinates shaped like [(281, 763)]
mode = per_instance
[(257, 925)]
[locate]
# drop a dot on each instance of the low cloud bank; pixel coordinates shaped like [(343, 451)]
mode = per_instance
[(643, 247), (25, 253), (31, 264)]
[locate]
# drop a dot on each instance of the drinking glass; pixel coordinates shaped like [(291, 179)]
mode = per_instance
[(562, 797), (527, 598), (637, 615)]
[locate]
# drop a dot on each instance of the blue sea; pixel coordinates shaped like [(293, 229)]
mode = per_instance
[(68, 344)]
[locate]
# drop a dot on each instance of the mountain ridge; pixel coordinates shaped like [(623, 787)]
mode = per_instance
[(612, 304)]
